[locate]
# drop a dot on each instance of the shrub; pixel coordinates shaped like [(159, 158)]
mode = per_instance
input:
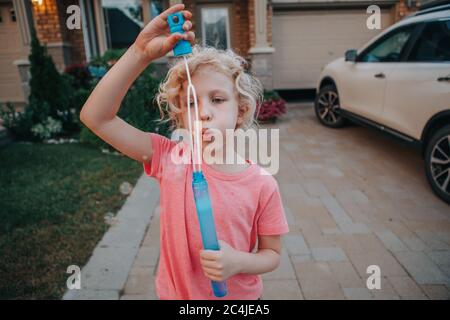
[(79, 75), (48, 129), (271, 95), (50, 97), (271, 108), (108, 58), (46, 84), (19, 123), (138, 109)]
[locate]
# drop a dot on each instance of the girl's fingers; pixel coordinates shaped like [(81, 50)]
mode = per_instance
[(208, 254), (187, 14), (211, 272), (187, 25), (213, 278), (209, 264), (190, 36), (173, 9), (172, 40)]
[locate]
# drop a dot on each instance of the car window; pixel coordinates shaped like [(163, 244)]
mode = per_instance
[(433, 43), (390, 48)]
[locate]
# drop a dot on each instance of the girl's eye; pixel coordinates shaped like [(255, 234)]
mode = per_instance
[(218, 100)]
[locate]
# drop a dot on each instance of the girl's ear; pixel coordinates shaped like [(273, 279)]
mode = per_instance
[(242, 110), (240, 119)]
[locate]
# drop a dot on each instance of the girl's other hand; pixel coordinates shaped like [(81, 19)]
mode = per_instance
[(155, 40), (219, 265)]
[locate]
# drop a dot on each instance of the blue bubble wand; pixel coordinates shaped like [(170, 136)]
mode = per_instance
[(199, 183)]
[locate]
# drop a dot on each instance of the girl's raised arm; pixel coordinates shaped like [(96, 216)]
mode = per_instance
[(99, 112)]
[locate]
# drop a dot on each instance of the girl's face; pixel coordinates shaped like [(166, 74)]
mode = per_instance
[(217, 99)]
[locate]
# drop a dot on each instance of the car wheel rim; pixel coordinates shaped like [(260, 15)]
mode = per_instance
[(440, 163), (328, 107)]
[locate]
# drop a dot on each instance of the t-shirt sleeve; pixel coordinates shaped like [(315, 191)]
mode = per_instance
[(272, 218), (161, 147)]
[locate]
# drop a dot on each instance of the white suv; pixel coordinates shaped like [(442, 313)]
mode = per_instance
[(399, 82)]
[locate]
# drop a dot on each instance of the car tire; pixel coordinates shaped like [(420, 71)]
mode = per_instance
[(437, 163), (327, 107)]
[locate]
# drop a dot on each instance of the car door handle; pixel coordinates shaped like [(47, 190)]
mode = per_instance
[(441, 79), (380, 75)]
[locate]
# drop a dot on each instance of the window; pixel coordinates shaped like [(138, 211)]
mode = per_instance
[(123, 22), (390, 48), (433, 43), (215, 27)]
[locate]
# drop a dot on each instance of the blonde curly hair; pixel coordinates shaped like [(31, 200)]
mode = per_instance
[(249, 89)]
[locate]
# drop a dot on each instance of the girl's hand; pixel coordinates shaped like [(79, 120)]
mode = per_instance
[(155, 40), (222, 264)]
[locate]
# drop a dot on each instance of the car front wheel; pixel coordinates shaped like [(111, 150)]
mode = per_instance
[(437, 162), (327, 107)]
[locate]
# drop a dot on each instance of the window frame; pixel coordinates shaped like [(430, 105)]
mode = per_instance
[(89, 27)]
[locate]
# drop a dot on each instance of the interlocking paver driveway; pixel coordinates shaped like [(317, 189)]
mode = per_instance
[(353, 198)]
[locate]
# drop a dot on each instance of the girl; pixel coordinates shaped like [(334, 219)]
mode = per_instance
[(247, 206)]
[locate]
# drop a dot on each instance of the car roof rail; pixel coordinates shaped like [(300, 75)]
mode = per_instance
[(432, 9)]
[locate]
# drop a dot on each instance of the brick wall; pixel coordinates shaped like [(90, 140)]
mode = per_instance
[(47, 24), (242, 32), (239, 18), (75, 36), (251, 23), (64, 45), (401, 9)]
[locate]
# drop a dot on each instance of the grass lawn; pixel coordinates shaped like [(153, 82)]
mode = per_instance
[(53, 199)]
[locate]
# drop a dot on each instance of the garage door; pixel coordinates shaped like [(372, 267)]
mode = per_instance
[(305, 41), (10, 84)]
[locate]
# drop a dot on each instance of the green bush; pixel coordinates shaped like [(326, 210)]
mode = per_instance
[(78, 75), (109, 56), (138, 108), (77, 97), (46, 84), (47, 129), (19, 123), (271, 95), (50, 97)]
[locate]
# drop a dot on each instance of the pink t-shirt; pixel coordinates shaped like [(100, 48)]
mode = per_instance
[(245, 204)]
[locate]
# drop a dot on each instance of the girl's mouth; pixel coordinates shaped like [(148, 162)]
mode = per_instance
[(207, 135)]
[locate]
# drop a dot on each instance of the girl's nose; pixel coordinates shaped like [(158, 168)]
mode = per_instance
[(205, 113)]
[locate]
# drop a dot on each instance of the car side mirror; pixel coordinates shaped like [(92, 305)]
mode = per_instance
[(350, 55)]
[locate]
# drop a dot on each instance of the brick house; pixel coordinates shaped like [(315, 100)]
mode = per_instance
[(286, 41)]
